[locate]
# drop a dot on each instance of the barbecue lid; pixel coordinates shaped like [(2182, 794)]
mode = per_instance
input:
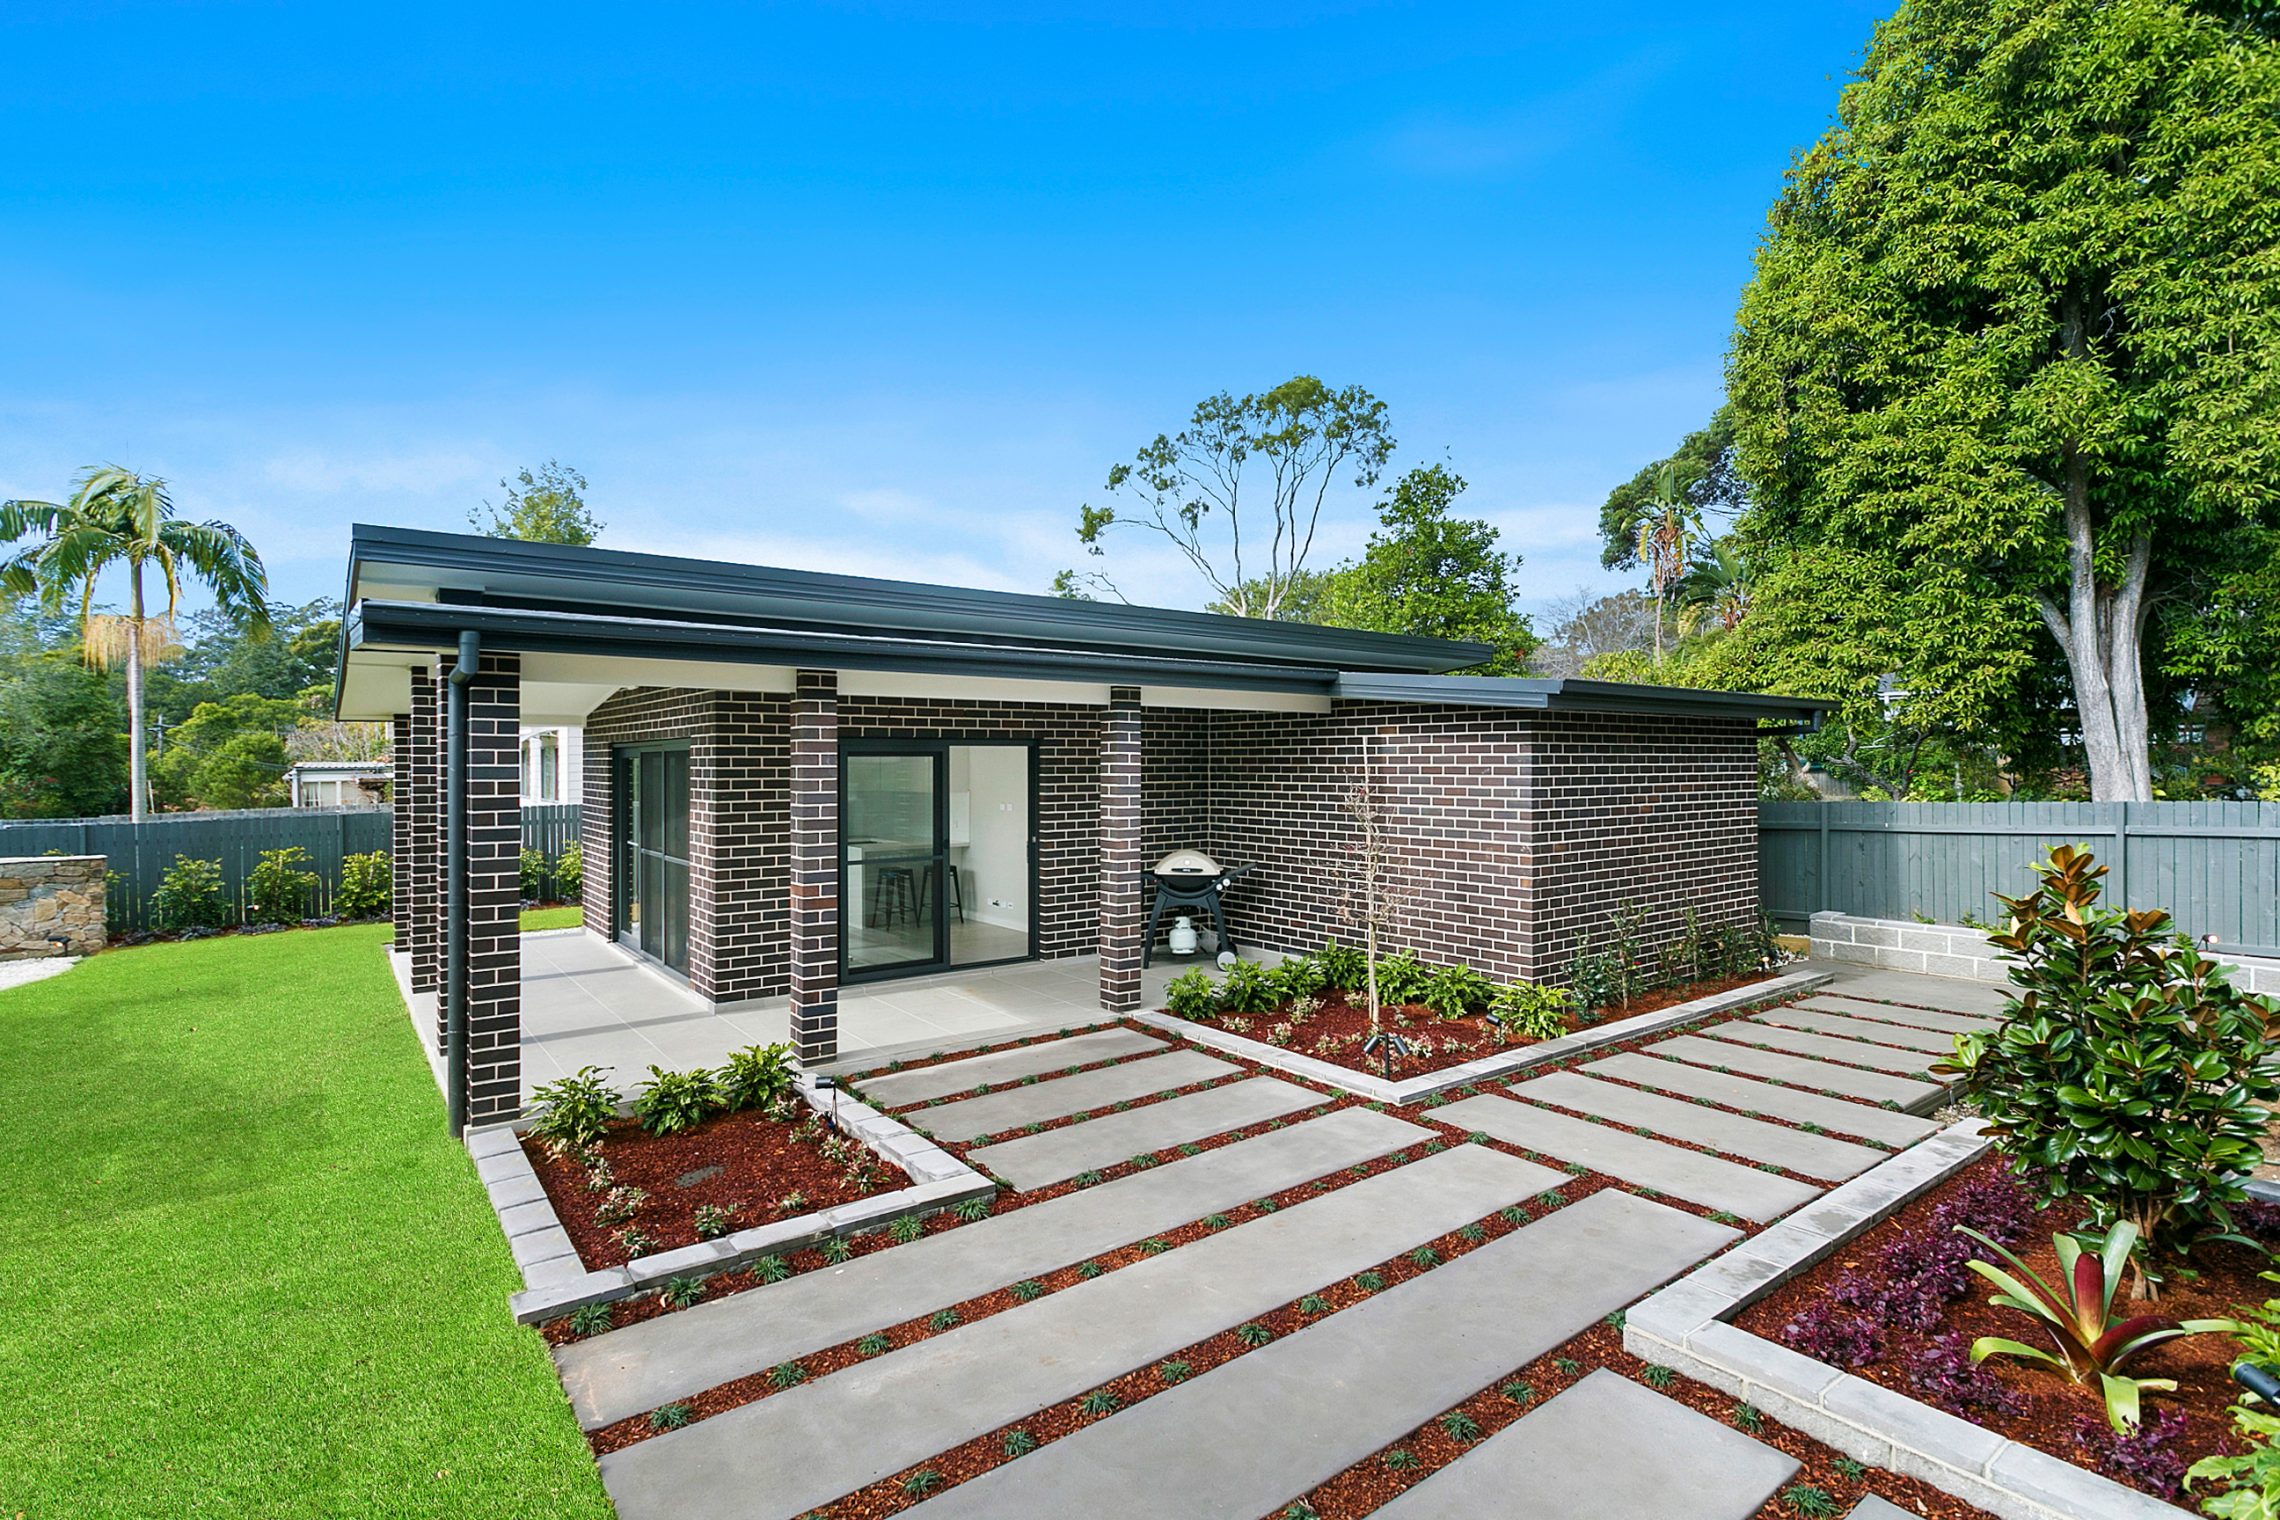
[(1187, 863)]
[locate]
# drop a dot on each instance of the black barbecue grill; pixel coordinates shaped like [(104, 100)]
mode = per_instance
[(1189, 880)]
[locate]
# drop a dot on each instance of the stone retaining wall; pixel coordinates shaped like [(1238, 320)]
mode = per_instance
[(1953, 950), (42, 895)]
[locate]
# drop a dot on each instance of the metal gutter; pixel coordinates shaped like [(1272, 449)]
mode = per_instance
[(659, 584), (430, 625), (1571, 695)]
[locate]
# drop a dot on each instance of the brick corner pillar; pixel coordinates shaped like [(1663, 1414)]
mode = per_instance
[(814, 879), (421, 866), (494, 891), (1121, 910), (400, 828)]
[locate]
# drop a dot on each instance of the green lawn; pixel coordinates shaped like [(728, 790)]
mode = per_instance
[(243, 1271), (552, 918)]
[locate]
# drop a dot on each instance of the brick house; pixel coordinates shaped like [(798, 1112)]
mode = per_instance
[(797, 781)]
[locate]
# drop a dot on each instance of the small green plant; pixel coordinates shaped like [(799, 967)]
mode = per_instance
[(971, 1210), (1460, 1426), (680, 1292), (1400, 978), (1566, 1366), (1657, 1375), (590, 1319), (2252, 1479), (365, 886), (1254, 1334), (1451, 992), (713, 1220), (906, 1229), (279, 887), (190, 896), (769, 1269), (1192, 995), (1314, 1303), (1216, 1221), (1803, 1499), (942, 1319), (873, 1345), (1099, 1401), (635, 1241), (1088, 1179), (531, 875), (1591, 977), (1401, 1461), (1748, 1417), (2078, 1315), (674, 1102), (1849, 1470), (1249, 988), (1174, 1372), (571, 1114), (1519, 1393), (1369, 1282), (1019, 1443), (1425, 1256), (570, 871), (1625, 950), (758, 1076), (669, 1416), (925, 1481), (1155, 1246), (1343, 966), (1027, 1289), (1530, 1011), (786, 1375), (838, 1249)]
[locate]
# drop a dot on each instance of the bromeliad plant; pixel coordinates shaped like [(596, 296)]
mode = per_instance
[(2078, 1315), (2126, 1071)]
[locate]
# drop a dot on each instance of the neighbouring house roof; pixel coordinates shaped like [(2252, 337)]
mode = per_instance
[(589, 621)]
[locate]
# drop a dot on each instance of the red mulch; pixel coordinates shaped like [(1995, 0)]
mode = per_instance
[(763, 1163), (1336, 1032), (2226, 1278)]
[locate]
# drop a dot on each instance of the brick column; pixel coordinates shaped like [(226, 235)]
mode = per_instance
[(400, 828), (1122, 913), (421, 866), (494, 891), (815, 865)]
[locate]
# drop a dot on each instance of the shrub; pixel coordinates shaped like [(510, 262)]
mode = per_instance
[(2252, 1479), (365, 884), (533, 873), (571, 1114), (191, 896), (757, 1076), (1343, 966), (1592, 978), (2126, 1070), (278, 889), (671, 1102), (1300, 977), (1250, 988), (1192, 995), (1400, 978), (1530, 1011), (714, 1220), (1454, 991), (570, 871)]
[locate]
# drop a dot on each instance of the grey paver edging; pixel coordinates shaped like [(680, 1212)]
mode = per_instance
[(1687, 1327), (555, 1280), (1487, 1068)]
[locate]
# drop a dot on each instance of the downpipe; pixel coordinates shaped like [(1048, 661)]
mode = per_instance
[(455, 880)]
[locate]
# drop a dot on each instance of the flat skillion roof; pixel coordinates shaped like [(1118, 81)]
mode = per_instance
[(591, 620)]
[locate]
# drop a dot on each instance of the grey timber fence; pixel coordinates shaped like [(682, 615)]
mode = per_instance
[(2214, 865)]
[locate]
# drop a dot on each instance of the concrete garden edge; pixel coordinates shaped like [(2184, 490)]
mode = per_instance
[(556, 1280), (1485, 1068), (1687, 1327)]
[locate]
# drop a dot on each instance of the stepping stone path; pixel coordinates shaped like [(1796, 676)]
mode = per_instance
[(1828, 1047), (895, 1088), (1249, 1435), (1895, 1013), (1669, 1460), (1059, 1097), (786, 1454), (1036, 1161), (1801, 1071), (1931, 1041), (1753, 1097), (1873, 1508), (673, 1356), (1792, 1150)]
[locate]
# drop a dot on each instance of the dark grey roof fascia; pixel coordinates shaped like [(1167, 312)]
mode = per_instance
[(1571, 695), (434, 625), (660, 583)]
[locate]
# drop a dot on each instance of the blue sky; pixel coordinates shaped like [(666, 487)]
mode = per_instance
[(872, 287)]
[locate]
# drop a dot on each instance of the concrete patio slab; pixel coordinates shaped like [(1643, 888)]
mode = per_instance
[(1691, 1175), (1900, 1013), (1036, 1161), (1944, 993), (1782, 1066), (1847, 1026), (893, 1089), (1829, 1047), (1670, 1461), (1247, 1436), (1754, 1097), (656, 1361), (1058, 1097), (786, 1454), (1730, 1134)]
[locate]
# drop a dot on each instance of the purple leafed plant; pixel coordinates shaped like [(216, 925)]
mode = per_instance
[(1989, 1202), (1944, 1373), (1828, 1333), (2144, 1456)]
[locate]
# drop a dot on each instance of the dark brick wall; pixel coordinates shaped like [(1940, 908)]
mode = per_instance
[(494, 890), (424, 864), (814, 876)]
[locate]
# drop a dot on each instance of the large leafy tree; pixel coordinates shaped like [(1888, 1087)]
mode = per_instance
[(116, 519), (63, 726), (1703, 468), (2005, 380), (544, 506), (1431, 573), (230, 754), (1239, 492)]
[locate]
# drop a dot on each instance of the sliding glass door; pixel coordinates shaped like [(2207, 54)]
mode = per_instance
[(937, 855), (652, 786)]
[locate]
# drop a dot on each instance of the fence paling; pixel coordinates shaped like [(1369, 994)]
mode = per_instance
[(2214, 865), (139, 855)]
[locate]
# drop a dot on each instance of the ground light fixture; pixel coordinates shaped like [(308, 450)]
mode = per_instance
[(1387, 1045), (831, 1086)]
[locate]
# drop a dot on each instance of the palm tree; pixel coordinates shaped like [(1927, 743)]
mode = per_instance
[(117, 518), (1716, 585), (1667, 526)]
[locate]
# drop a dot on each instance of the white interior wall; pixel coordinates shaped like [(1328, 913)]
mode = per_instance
[(994, 780)]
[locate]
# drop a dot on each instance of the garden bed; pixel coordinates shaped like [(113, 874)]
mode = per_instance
[(1855, 1311), (754, 1167)]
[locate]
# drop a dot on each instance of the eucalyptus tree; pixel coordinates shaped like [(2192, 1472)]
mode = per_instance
[(118, 520)]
